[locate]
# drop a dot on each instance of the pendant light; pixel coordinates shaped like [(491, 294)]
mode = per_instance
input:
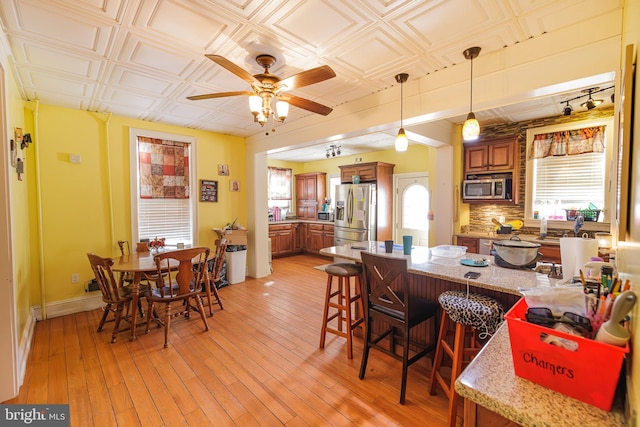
[(401, 140), (471, 127)]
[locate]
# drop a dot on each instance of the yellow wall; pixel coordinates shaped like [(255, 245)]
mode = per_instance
[(76, 213), (25, 260)]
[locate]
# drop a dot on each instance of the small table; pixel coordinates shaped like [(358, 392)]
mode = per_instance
[(138, 263)]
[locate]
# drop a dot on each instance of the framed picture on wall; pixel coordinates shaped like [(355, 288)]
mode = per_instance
[(223, 170), (208, 191), (234, 185)]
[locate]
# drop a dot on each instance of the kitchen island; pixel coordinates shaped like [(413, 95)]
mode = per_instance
[(493, 394)]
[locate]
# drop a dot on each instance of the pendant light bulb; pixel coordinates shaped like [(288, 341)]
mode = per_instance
[(471, 127), (402, 142)]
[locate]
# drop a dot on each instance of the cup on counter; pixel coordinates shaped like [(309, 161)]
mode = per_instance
[(407, 241), (355, 179), (388, 246)]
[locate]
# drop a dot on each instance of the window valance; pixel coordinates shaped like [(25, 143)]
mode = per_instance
[(568, 142), (164, 168)]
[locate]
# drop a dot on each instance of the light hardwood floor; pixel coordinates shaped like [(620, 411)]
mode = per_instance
[(259, 364)]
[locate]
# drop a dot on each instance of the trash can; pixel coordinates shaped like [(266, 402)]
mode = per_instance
[(236, 263)]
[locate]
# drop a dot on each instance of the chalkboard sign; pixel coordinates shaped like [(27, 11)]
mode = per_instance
[(208, 191)]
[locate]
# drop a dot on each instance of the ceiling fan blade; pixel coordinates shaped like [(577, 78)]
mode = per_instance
[(306, 78), (306, 104), (219, 95), (240, 72)]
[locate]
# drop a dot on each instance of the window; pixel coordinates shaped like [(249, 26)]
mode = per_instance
[(566, 170), (333, 181), (280, 187), (163, 190)]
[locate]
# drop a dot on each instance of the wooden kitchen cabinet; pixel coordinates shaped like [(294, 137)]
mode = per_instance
[(500, 155), (282, 239), (320, 236), (310, 192), (550, 253), (472, 244), (368, 172), (299, 236)]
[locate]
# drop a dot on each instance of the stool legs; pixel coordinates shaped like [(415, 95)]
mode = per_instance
[(456, 354), (343, 310)]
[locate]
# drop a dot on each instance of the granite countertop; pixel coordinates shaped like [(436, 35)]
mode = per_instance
[(490, 381), (423, 262)]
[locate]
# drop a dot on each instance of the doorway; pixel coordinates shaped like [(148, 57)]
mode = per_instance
[(413, 202)]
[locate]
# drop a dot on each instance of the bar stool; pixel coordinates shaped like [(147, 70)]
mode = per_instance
[(475, 316), (341, 300)]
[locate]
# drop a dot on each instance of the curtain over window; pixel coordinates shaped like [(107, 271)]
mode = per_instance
[(568, 142), (279, 183)]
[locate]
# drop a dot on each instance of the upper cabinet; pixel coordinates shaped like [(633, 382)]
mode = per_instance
[(310, 191), (498, 155), (368, 172)]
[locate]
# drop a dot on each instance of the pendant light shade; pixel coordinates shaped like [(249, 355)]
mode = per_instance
[(471, 127), (401, 140)]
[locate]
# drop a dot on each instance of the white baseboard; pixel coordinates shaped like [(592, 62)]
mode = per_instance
[(69, 306)]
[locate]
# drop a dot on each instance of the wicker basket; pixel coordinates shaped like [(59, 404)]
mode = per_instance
[(587, 214)]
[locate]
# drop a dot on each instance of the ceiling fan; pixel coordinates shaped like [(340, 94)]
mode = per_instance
[(266, 86)]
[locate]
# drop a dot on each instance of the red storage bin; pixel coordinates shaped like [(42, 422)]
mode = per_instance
[(590, 373)]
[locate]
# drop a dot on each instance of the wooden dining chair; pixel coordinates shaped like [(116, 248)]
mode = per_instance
[(182, 284), (215, 267), (115, 296), (388, 303)]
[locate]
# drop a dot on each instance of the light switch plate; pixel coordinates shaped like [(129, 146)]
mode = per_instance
[(74, 158)]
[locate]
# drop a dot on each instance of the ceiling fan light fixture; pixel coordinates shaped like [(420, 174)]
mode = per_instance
[(401, 140), (282, 109), (255, 104), (471, 127)]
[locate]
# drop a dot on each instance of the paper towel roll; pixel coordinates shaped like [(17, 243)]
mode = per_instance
[(585, 249), (575, 252), (568, 256)]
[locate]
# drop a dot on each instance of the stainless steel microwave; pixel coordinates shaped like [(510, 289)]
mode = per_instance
[(487, 189), (325, 216)]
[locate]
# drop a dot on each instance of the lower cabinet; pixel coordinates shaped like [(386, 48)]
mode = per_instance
[(550, 253), (296, 237), (282, 239), (320, 236), (471, 243)]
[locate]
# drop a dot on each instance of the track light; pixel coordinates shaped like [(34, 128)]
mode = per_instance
[(471, 127), (333, 150), (402, 142), (567, 109), (590, 103)]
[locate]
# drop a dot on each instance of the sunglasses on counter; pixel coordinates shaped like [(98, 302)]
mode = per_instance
[(544, 317)]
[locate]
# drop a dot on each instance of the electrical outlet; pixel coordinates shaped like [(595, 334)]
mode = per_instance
[(75, 278)]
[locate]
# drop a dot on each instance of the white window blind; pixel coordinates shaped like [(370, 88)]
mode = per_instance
[(569, 182), (168, 218)]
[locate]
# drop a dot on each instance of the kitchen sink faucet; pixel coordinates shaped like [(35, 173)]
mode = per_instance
[(577, 225)]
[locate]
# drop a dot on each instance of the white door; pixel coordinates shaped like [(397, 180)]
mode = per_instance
[(412, 207), (8, 351)]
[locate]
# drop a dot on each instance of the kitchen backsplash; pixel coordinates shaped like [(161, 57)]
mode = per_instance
[(480, 215)]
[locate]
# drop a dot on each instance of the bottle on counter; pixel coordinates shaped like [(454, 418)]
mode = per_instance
[(543, 227)]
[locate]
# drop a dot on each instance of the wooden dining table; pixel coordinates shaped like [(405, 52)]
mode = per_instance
[(137, 264)]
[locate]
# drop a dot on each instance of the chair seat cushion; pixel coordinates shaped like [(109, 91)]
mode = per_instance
[(343, 269), (420, 309), (478, 311)]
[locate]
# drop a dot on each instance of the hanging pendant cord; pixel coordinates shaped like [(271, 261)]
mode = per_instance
[(401, 103), (471, 97)]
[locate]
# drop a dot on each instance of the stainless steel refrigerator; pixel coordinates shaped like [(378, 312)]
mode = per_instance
[(355, 214)]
